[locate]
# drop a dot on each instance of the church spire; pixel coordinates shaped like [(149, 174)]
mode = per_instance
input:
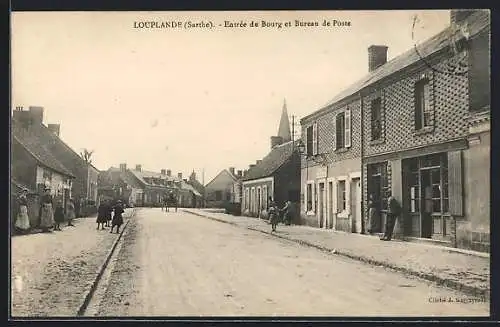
[(284, 128)]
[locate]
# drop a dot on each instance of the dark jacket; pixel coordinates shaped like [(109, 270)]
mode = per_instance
[(394, 207), (59, 214)]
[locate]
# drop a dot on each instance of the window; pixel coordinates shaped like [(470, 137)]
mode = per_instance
[(423, 113), (309, 197), (309, 141), (341, 193), (340, 130), (218, 195), (376, 119)]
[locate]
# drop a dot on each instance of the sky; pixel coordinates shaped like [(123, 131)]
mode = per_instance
[(202, 99)]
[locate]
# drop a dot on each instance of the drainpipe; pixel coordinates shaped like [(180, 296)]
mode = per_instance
[(362, 147)]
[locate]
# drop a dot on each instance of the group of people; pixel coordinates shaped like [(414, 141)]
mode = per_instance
[(51, 216), (110, 216), (393, 212), (275, 213)]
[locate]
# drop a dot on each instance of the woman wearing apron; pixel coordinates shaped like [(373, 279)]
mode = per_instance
[(23, 221), (46, 211)]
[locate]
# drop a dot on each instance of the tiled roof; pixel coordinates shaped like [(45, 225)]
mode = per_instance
[(272, 162), (144, 174), (40, 151), (476, 23), (189, 187), (20, 186)]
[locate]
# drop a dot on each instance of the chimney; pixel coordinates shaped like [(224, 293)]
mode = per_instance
[(163, 172), (275, 141), (123, 167), (179, 175), (245, 172), (251, 166), (240, 173), (258, 162), (185, 180), (457, 16), (55, 128), (231, 170), (36, 114), (138, 167), (169, 172), (377, 56)]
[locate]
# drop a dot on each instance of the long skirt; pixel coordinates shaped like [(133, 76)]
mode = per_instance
[(23, 221), (373, 220), (47, 216), (70, 215), (101, 219), (117, 220)]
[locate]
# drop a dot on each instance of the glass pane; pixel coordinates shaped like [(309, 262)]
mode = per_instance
[(445, 205), (436, 205), (445, 191), (417, 205), (412, 206), (436, 176), (436, 191)]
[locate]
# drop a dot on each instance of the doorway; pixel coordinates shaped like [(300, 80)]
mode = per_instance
[(321, 205), (356, 205)]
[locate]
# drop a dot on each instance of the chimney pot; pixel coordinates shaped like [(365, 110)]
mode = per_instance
[(36, 114), (231, 169), (123, 167), (138, 167), (163, 172), (179, 175), (377, 56), (258, 162), (169, 172)]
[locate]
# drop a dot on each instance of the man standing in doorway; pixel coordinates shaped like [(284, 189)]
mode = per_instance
[(393, 212)]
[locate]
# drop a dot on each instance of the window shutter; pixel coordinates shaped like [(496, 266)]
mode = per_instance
[(315, 138), (455, 187), (305, 197), (334, 133), (347, 134), (333, 196)]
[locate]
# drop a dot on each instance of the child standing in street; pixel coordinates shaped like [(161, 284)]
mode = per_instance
[(58, 215)]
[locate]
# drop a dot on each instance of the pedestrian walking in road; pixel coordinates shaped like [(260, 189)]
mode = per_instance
[(58, 215), (373, 214), (102, 213), (117, 217), (109, 213), (273, 215), (393, 212), (46, 211), (22, 220), (288, 212), (70, 212)]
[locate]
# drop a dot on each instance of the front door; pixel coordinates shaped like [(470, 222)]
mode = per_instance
[(356, 205)]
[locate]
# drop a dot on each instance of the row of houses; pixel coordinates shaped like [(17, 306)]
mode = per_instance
[(138, 187), (416, 127), (40, 159)]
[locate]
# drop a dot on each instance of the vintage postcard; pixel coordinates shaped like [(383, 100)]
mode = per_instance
[(250, 164)]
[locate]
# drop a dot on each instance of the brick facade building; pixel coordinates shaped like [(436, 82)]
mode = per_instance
[(424, 136)]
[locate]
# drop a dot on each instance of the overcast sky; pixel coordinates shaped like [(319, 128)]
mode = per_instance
[(192, 98)]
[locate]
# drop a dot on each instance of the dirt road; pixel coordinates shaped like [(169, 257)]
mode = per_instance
[(177, 264)]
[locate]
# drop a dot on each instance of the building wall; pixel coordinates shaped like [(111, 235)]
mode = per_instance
[(450, 107), (340, 163), (250, 202), (92, 182)]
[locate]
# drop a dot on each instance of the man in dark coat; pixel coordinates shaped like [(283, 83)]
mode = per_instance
[(117, 217), (393, 212)]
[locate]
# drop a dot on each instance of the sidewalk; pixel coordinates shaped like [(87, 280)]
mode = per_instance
[(464, 270), (51, 273)]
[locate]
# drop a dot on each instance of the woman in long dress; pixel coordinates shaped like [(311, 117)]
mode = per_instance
[(70, 212), (46, 211), (22, 220), (373, 215)]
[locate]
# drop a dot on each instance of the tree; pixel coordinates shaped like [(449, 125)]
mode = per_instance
[(86, 155)]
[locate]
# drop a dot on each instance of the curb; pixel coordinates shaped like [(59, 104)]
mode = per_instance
[(88, 296), (469, 290)]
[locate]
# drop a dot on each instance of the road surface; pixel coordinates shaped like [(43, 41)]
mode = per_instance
[(178, 264)]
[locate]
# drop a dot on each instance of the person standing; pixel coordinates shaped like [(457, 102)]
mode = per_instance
[(58, 215), (70, 212), (288, 212), (109, 213), (273, 215), (22, 219), (46, 211), (117, 217), (102, 213), (393, 212), (373, 214)]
